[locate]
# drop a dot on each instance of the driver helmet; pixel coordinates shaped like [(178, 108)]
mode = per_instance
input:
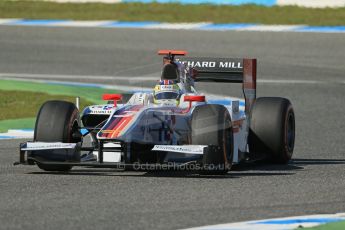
[(166, 92)]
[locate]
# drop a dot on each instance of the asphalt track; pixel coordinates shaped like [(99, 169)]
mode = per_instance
[(306, 68)]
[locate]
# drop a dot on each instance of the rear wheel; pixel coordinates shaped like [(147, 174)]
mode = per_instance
[(211, 125), (272, 129), (57, 121)]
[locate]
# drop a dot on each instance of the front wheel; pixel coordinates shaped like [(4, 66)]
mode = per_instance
[(57, 121)]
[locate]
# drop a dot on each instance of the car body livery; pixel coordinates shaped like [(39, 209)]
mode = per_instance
[(173, 127)]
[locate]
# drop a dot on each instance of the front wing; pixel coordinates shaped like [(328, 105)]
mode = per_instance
[(107, 156)]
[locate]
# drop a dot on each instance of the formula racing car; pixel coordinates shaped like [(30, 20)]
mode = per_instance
[(172, 127)]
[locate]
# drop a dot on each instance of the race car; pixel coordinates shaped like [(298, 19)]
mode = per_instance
[(173, 127)]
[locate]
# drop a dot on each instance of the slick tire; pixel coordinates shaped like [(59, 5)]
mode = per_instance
[(57, 121), (211, 125), (272, 129)]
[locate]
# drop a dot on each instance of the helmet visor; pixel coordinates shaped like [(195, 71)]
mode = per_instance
[(166, 95)]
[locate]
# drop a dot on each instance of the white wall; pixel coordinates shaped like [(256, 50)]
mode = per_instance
[(84, 1), (313, 3)]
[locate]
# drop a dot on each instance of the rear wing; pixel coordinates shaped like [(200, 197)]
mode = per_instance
[(231, 70)]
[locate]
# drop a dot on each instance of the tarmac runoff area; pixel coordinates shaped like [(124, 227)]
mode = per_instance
[(307, 68)]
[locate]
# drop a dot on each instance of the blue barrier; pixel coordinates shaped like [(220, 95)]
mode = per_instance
[(159, 25)]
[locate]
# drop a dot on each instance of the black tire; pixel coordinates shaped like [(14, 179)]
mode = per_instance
[(272, 129), (211, 125), (57, 121)]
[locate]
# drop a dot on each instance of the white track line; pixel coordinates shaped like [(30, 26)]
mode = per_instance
[(273, 28), (88, 77), (17, 134), (82, 84), (286, 223), (177, 26), (114, 87), (82, 23), (150, 77), (283, 81)]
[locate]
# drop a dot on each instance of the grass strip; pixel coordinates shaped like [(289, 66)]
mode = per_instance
[(174, 12), (24, 104), (91, 94), (330, 226), (23, 123), (18, 109), (21, 100)]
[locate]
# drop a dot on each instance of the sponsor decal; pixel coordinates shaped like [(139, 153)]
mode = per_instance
[(238, 122), (237, 125), (214, 64), (191, 149), (108, 107), (101, 109), (101, 112), (107, 131), (167, 87), (235, 106), (30, 146)]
